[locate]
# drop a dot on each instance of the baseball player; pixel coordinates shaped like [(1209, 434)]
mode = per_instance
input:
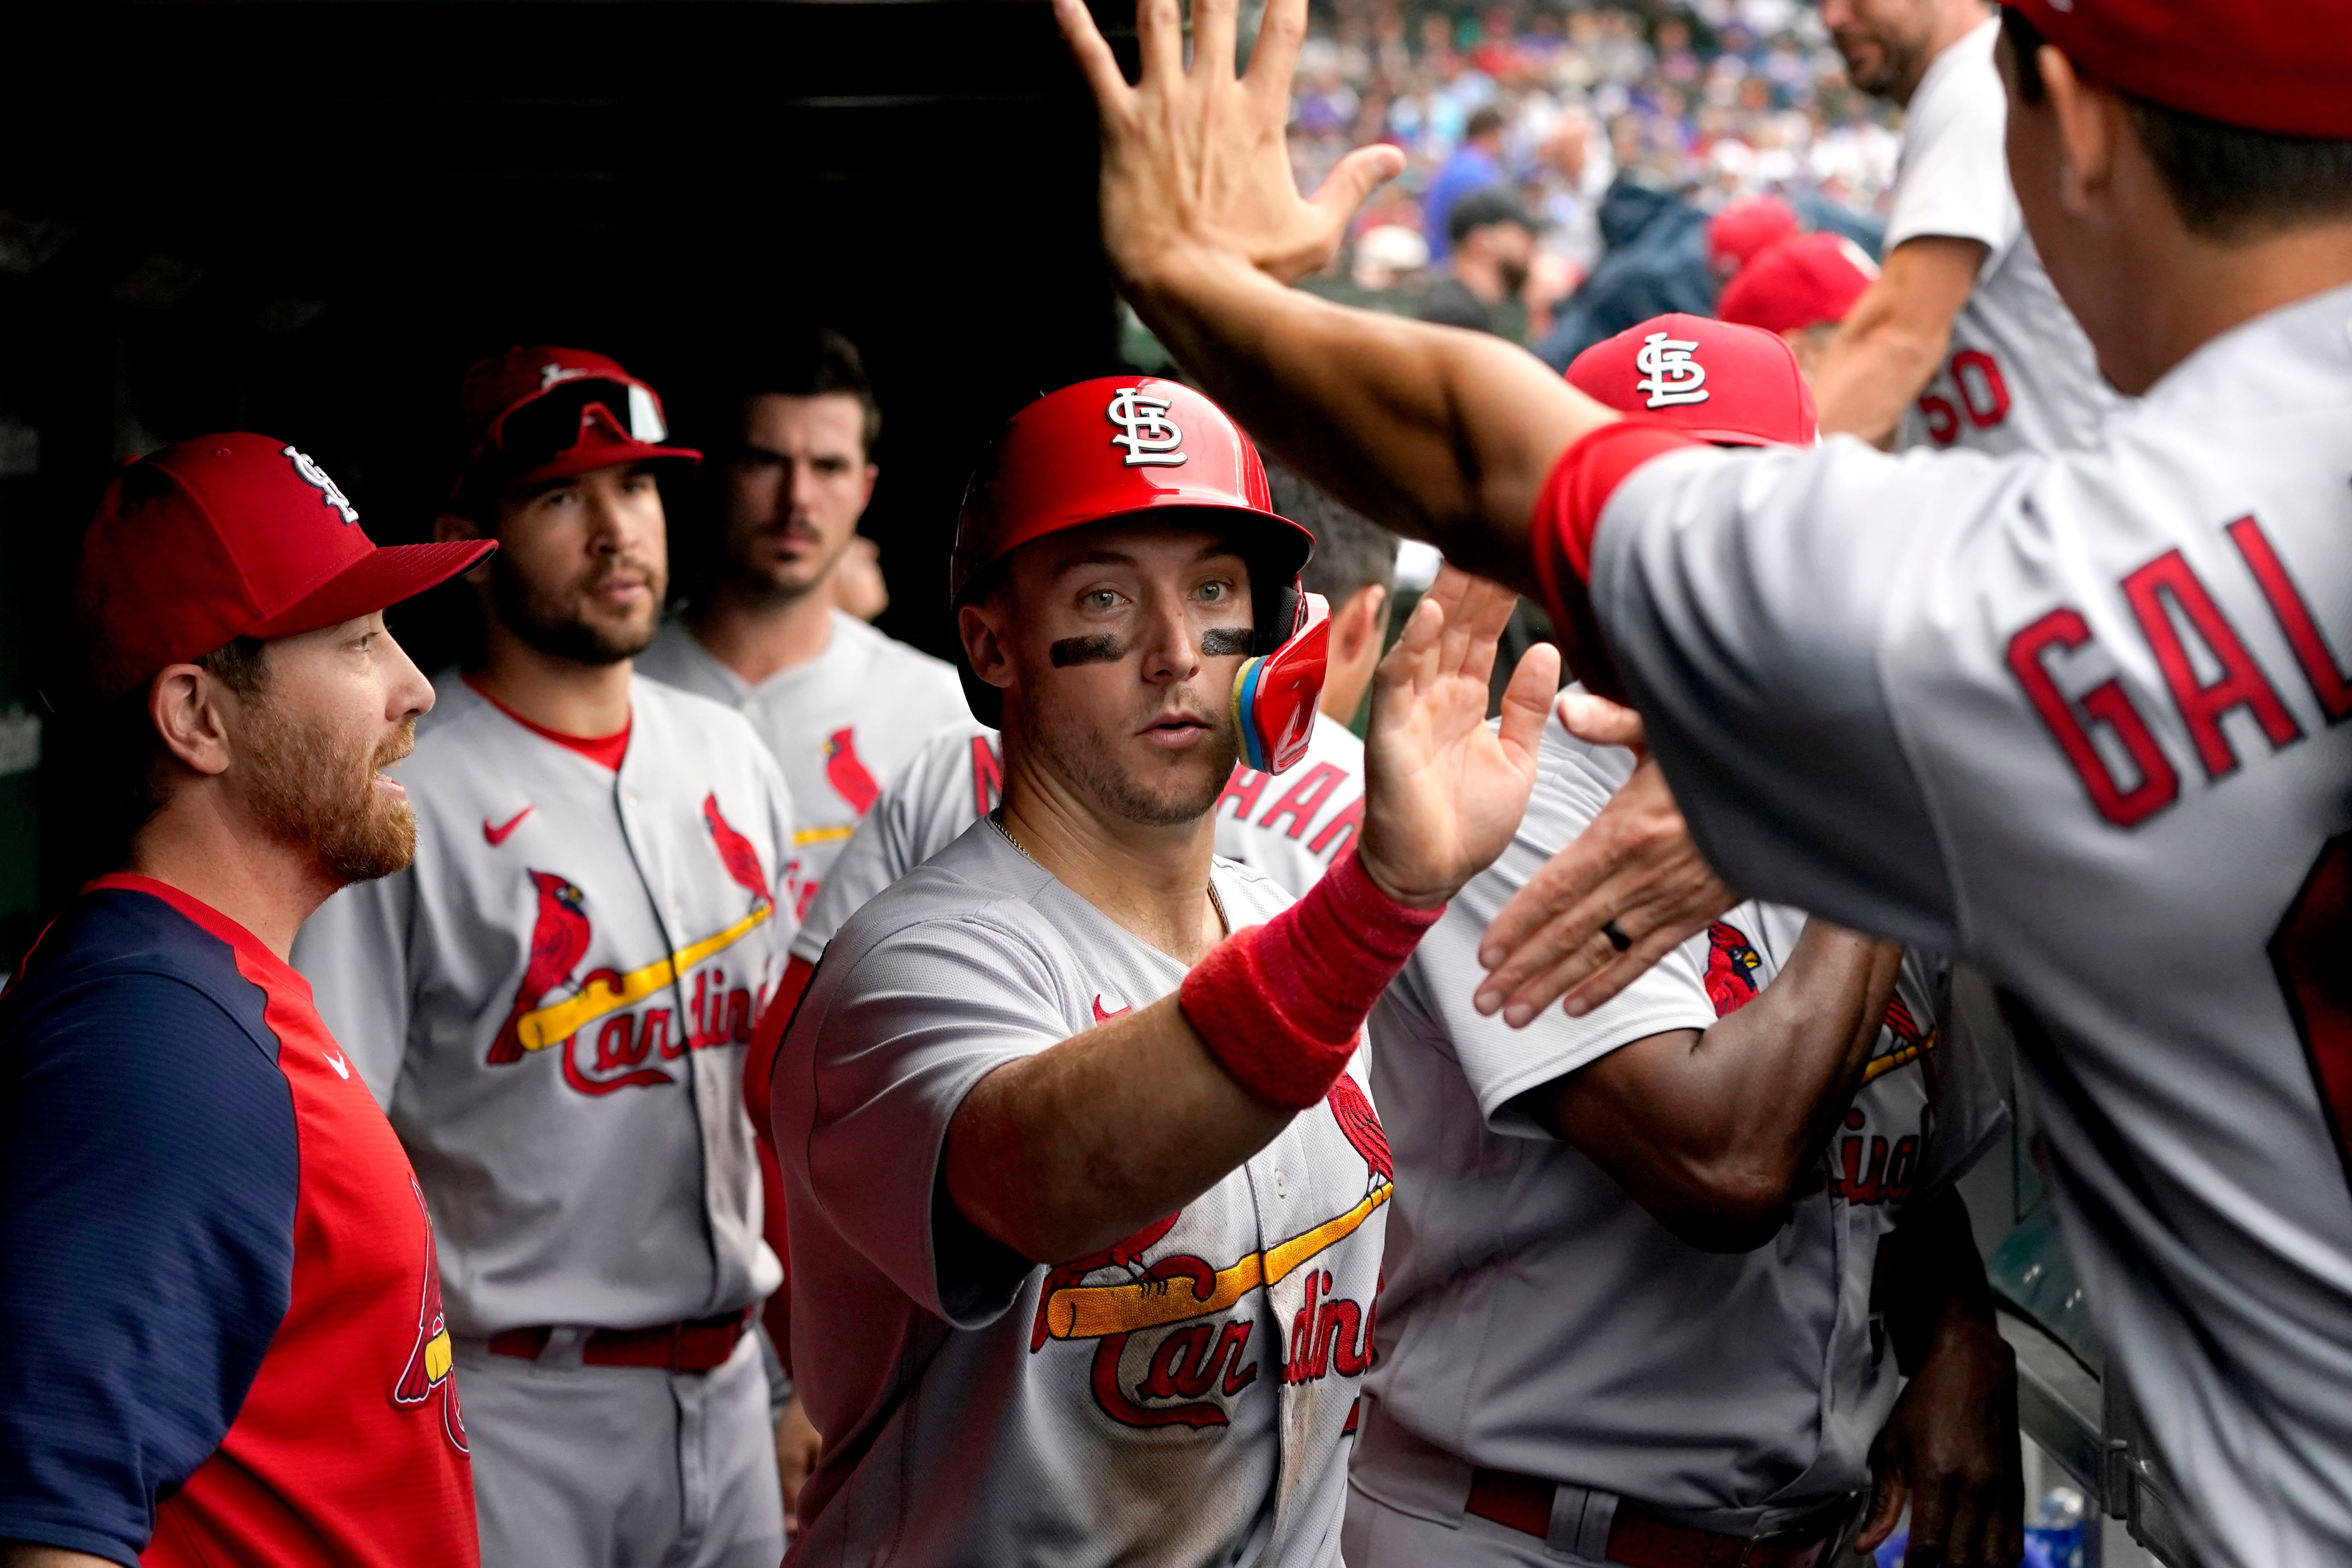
[(552, 1005), (1962, 341), (1652, 1271), (1087, 1197), (841, 706), (1800, 289), (221, 1328), (2073, 716), (1291, 831)]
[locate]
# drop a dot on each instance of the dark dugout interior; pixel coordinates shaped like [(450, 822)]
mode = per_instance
[(306, 218)]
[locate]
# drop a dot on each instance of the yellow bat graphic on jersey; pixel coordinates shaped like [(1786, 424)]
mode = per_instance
[(1902, 1056), (824, 835), (559, 1021), (1097, 1312)]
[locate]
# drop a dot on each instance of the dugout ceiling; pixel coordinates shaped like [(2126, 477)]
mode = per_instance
[(307, 217)]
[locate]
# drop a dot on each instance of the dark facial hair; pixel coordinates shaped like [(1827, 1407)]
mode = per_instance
[(555, 628)]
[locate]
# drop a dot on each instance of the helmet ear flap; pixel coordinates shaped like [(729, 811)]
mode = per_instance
[(1274, 696)]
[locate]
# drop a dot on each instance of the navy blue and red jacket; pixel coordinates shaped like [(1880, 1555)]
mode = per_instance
[(221, 1337)]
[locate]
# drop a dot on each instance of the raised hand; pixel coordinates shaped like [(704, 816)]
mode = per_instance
[(1443, 792), (1198, 159), (1634, 869)]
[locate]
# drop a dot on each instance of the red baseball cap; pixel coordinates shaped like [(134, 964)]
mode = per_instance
[(1736, 233), (224, 537), (542, 412), (1799, 282), (2280, 65), (1732, 385)]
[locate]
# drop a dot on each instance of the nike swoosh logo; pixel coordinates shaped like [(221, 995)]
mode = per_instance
[(494, 837), (1101, 1016), (342, 1069)]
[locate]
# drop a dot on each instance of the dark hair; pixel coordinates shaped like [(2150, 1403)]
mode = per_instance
[(1483, 121), (110, 760), (1481, 209), (2226, 182), (815, 365), (1351, 551)]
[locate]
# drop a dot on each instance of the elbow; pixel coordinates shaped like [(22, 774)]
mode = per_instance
[(1732, 1207)]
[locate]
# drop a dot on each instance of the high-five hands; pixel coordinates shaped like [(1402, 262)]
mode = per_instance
[(1197, 162), (1635, 870), (1442, 792)]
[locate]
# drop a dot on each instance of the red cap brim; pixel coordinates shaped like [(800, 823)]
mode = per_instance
[(587, 459), (376, 581)]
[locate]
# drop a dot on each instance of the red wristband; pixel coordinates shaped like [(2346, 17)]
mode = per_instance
[(1280, 1004)]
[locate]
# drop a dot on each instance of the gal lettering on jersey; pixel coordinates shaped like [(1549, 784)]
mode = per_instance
[(2208, 672)]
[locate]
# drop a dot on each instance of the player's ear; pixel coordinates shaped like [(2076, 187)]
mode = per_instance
[(1360, 620), (983, 649), (2089, 119), (450, 527), (183, 704)]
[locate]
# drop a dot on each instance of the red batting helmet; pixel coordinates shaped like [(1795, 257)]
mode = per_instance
[(1123, 446), (1736, 386)]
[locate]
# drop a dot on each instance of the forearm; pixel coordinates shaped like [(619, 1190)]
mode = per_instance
[(1895, 335), (1710, 1130), (1067, 1151), (1444, 435), (1875, 368), (1935, 1288), (1779, 1072)]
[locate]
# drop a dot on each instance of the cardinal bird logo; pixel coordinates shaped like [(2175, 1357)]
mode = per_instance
[(1361, 1125), (846, 774), (429, 1364), (1912, 1044), (742, 860), (1126, 1254), (559, 941), (1731, 965)]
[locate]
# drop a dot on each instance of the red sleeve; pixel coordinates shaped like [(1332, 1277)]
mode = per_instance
[(1567, 513)]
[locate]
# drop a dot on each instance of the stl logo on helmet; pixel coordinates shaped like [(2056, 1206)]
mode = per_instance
[(316, 477), (1669, 373), (1151, 439)]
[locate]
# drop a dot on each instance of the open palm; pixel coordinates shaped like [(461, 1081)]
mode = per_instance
[(1443, 792)]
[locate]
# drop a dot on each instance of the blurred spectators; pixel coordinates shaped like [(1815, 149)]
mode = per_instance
[(1613, 123), (1493, 241)]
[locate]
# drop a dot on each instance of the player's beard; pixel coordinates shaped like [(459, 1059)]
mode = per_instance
[(554, 623), (1893, 63), (315, 791), (1166, 792)]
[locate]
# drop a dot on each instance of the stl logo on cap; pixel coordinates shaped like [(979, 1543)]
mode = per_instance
[(1151, 439), (1670, 374), (315, 476)]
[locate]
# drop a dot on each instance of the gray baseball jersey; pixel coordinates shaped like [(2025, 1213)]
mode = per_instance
[(839, 725), (2018, 374), (2081, 718), (955, 778), (552, 1005), (1183, 1397), (1537, 1319), (1291, 827)]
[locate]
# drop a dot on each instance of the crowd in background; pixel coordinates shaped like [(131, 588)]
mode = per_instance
[(1560, 101)]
